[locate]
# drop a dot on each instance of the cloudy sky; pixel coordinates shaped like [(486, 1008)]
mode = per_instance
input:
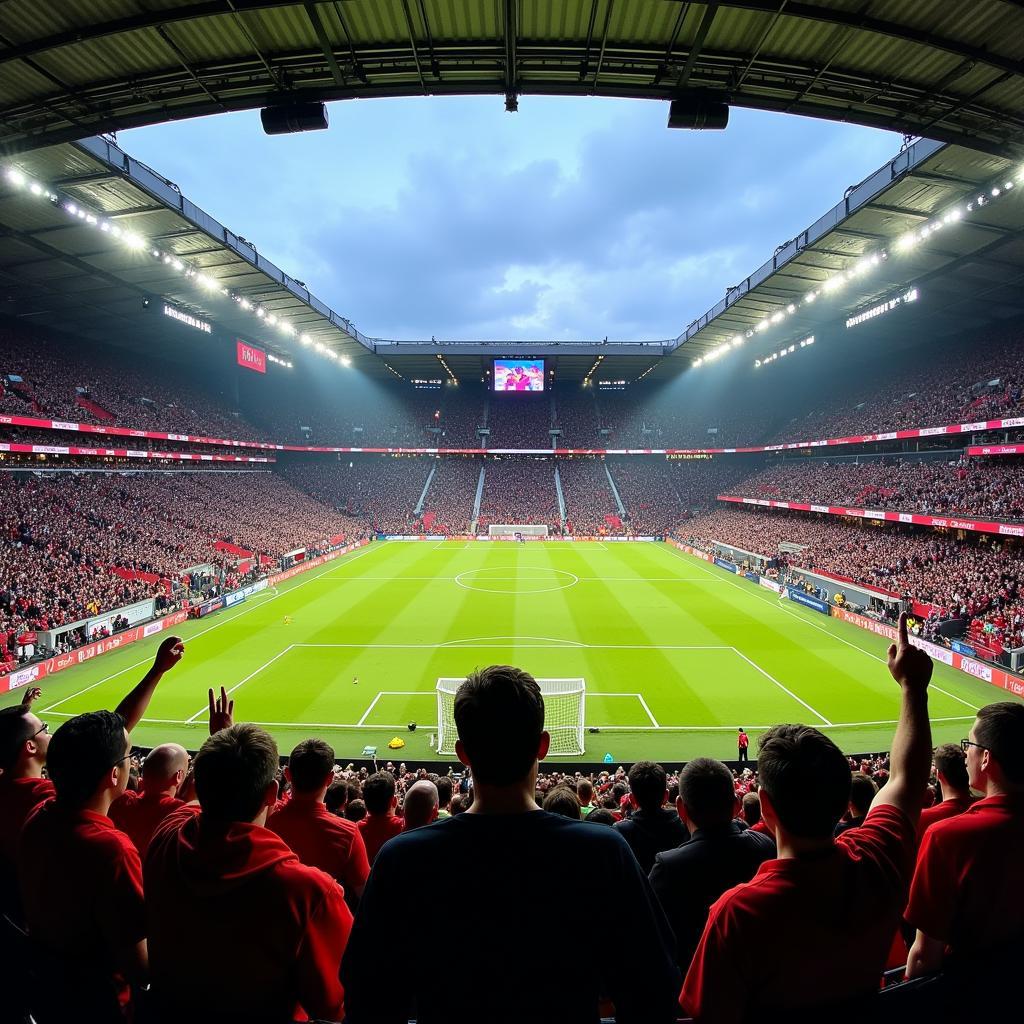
[(574, 218)]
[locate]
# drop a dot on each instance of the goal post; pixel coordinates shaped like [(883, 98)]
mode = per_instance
[(508, 531), (564, 710)]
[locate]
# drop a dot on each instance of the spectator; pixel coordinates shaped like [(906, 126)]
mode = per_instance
[(862, 792), (951, 772), (652, 828), (445, 787), (163, 775), (355, 810), (239, 928), (601, 816), (585, 794), (819, 887), (563, 801), (319, 838), (966, 895), (420, 805), (380, 823), (92, 952), (336, 799), (499, 715), (720, 853), (750, 812)]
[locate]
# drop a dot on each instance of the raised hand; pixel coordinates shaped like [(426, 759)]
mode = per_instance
[(909, 665), (222, 711), (169, 654), (32, 694)]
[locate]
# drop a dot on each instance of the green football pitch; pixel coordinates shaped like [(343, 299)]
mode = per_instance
[(675, 653)]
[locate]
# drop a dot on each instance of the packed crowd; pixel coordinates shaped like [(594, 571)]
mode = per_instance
[(519, 420), (988, 488), (63, 535), (519, 490), (576, 417), (448, 508), (235, 890), (976, 579), (81, 383), (590, 507)]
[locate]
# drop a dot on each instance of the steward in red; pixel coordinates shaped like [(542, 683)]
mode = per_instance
[(239, 929)]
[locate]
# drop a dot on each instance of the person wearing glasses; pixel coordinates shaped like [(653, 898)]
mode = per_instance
[(80, 878), (967, 896)]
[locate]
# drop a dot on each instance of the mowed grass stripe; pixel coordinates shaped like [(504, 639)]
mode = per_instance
[(396, 604)]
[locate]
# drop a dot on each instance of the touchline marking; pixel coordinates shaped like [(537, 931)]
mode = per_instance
[(206, 707), (785, 689), (580, 579), (654, 721), (373, 704), (821, 629), (567, 644), (195, 636)]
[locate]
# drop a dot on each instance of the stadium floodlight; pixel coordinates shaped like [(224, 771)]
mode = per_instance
[(305, 339), (778, 317), (132, 240), (810, 297), (757, 362), (15, 177), (290, 118), (346, 361), (37, 190)]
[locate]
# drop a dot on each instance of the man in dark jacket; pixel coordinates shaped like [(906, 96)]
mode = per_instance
[(652, 828)]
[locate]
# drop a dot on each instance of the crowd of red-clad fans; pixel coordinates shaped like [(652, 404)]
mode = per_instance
[(993, 488), (590, 507), (519, 490), (220, 887), (979, 578), (62, 535)]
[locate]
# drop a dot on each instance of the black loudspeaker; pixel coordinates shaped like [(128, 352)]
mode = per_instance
[(412, 727), (698, 112), (294, 117)]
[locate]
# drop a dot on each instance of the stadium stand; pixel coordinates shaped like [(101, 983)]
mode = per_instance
[(590, 507), (448, 508), (964, 487), (519, 420), (519, 490)]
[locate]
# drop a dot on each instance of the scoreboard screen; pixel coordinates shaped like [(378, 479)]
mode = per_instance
[(518, 374)]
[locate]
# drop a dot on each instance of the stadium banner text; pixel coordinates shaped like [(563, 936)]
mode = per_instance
[(950, 429), (128, 453), (946, 522), (808, 600)]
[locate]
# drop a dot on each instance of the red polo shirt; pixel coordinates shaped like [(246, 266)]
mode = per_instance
[(805, 931), (238, 928), (18, 799), (967, 889), (81, 887), (942, 811), (323, 840), (376, 830), (138, 814)]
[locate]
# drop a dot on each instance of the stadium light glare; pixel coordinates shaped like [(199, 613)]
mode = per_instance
[(906, 242), (762, 326), (305, 339), (132, 240), (36, 189), (791, 309), (737, 341), (15, 177), (757, 362), (346, 361), (810, 297), (778, 317)]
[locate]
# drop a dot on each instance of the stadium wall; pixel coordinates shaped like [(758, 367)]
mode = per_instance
[(58, 663)]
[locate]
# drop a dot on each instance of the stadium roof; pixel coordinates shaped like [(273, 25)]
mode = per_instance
[(946, 69)]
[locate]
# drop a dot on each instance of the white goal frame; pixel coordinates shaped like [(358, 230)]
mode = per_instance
[(509, 530), (564, 714)]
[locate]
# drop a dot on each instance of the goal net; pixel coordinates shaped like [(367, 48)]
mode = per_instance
[(564, 707), (509, 530)]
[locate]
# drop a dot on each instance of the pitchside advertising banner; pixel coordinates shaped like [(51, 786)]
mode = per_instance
[(807, 600), (60, 662)]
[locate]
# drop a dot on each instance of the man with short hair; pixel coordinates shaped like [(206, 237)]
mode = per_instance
[(862, 792), (163, 774), (720, 853), (761, 936), (420, 805), (750, 812), (320, 839), (81, 879), (515, 864), (381, 823), (652, 828), (951, 771), (967, 897), (445, 788), (239, 929), (585, 795)]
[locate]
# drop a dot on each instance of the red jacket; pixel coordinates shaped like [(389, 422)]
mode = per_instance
[(238, 928)]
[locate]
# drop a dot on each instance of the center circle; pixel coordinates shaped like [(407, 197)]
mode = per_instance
[(531, 582)]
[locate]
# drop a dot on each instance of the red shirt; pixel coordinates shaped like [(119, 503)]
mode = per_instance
[(805, 931), (18, 799), (239, 928), (376, 830), (81, 887), (138, 814), (942, 811), (323, 840), (967, 890)]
